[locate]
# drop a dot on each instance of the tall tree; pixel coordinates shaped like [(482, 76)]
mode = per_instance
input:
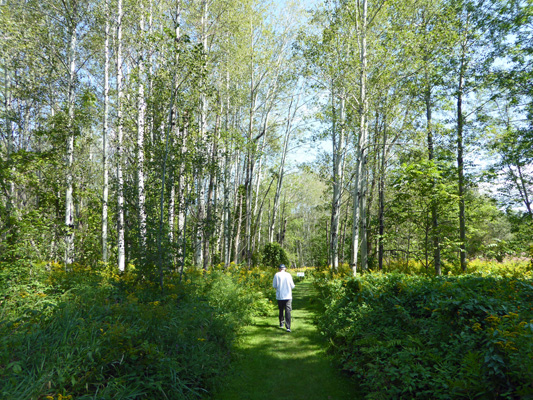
[(121, 244), (471, 63), (141, 111), (105, 136)]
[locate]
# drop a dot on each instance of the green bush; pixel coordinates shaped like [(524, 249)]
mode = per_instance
[(274, 255), (432, 338)]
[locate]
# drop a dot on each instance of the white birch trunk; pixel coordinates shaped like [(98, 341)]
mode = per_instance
[(140, 142), (182, 141), (364, 136), (171, 211), (105, 138), (120, 180), (200, 234), (227, 172), (227, 212), (181, 181)]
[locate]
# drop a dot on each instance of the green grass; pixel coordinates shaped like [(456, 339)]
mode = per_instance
[(274, 364)]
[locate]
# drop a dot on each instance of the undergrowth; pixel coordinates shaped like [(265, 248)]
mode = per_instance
[(453, 337), (93, 334)]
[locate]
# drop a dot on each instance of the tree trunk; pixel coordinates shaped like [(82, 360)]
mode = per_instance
[(10, 143), (181, 137), (360, 181), (163, 174), (69, 202), (434, 212), (344, 225), (338, 156), (382, 197), (182, 190), (151, 113), (250, 160), (523, 189), (281, 171), (283, 225), (200, 237), (210, 228), (171, 208), (226, 206), (256, 228), (238, 228), (356, 214), (120, 180), (140, 144), (363, 212), (460, 165), (105, 137), (226, 243)]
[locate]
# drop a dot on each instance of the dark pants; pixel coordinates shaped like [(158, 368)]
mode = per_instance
[(285, 306)]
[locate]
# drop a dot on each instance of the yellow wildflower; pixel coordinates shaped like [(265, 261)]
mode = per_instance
[(492, 319)]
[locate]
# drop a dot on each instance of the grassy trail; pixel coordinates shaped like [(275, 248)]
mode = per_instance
[(274, 364)]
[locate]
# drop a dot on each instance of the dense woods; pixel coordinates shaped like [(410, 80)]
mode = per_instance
[(165, 134), (163, 152)]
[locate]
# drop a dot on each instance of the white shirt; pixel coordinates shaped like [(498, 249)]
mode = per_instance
[(283, 284)]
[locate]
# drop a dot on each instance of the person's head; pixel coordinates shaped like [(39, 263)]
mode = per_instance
[(282, 267)]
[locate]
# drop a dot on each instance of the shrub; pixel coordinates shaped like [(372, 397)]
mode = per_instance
[(418, 337), (274, 255), (510, 268)]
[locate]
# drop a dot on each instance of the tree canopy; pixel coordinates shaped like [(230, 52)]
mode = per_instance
[(169, 134)]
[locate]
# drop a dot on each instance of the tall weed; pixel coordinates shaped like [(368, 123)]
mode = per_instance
[(89, 333)]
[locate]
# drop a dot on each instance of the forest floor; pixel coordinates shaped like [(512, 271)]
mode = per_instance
[(274, 364)]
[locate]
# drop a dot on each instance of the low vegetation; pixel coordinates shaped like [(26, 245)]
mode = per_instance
[(92, 334), (413, 336)]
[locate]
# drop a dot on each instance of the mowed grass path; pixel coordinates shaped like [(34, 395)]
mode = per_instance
[(276, 365)]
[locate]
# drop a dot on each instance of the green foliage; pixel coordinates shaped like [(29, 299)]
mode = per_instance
[(440, 338), (90, 332), (274, 255), (511, 268)]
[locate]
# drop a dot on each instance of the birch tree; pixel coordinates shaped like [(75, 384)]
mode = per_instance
[(119, 152), (105, 135), (141, 111)]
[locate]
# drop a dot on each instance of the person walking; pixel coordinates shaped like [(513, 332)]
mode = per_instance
[(284, 284)]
